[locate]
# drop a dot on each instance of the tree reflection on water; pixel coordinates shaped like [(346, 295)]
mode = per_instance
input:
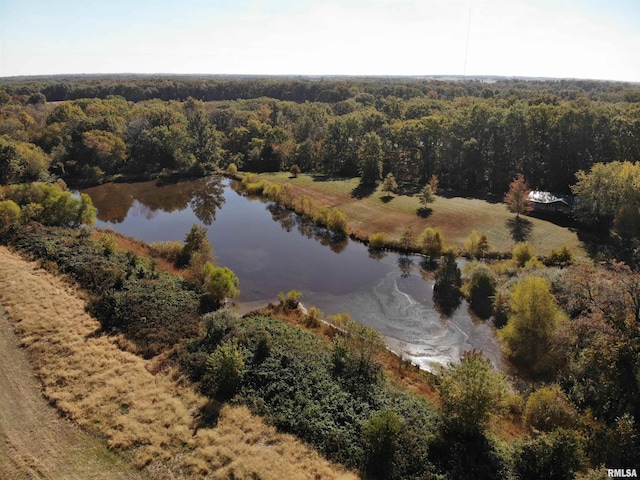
[(114, 200)]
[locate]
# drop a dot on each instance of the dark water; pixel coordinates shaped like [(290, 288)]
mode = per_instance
[(271, 250)]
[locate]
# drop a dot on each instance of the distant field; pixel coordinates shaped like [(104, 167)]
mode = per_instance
[(456, 217)]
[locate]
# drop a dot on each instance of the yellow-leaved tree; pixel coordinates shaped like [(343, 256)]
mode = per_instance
[(528, 336)]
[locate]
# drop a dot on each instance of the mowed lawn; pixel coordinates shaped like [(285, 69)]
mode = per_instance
[(456, 217)]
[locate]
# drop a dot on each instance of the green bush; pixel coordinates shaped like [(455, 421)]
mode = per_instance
[(220, 283), (9, 216), (337, 221), (472, 392), (224, 370), (128, 295), (288, 378), (522, 253), (561, 256), (377, 240), (169, 251), (552, 456), (289, 301), (58, 207), (548, 408)]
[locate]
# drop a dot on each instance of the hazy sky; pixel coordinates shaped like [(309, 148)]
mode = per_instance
[(597, 39)]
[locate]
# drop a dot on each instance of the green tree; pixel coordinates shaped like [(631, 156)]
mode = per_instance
[(528, 335), (447, 283), (21, 161), (203, 139), (195, 242), (370, 159), (225, 369), (220, 282), (381, 436), (604, 190), (482, 288), (627, 222), (472, 392), (54, 206), (552, 456), (426, 196), (355, 353)]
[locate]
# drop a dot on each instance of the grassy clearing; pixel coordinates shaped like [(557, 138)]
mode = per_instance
[(140, 407), (456, 217)]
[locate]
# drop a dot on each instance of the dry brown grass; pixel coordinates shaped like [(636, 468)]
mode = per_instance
[(140, 407)]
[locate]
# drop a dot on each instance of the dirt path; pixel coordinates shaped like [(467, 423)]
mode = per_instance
[(35, 442)]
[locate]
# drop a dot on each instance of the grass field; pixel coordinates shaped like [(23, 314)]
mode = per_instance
[(140, 407), (456, 216)]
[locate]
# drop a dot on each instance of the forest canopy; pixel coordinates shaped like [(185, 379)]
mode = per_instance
[(474, 135)]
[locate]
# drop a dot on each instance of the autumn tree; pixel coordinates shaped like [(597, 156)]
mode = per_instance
[(389, 185), (517, 198), (432, 243), (407, 239), (103, 150), (476, 245), (521, 254), (528, 335), (603, 372), (295, 171), (548, 408)]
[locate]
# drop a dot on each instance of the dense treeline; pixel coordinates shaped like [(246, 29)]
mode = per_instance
[(475, 136), (305, 89)]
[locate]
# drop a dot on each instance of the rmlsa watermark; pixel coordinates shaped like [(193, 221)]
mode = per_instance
[(622, 473)]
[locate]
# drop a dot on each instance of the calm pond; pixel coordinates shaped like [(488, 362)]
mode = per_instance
[(271, 250)]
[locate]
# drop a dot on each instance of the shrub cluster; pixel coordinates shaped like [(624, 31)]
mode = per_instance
[(332, 218), (128, 294)]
